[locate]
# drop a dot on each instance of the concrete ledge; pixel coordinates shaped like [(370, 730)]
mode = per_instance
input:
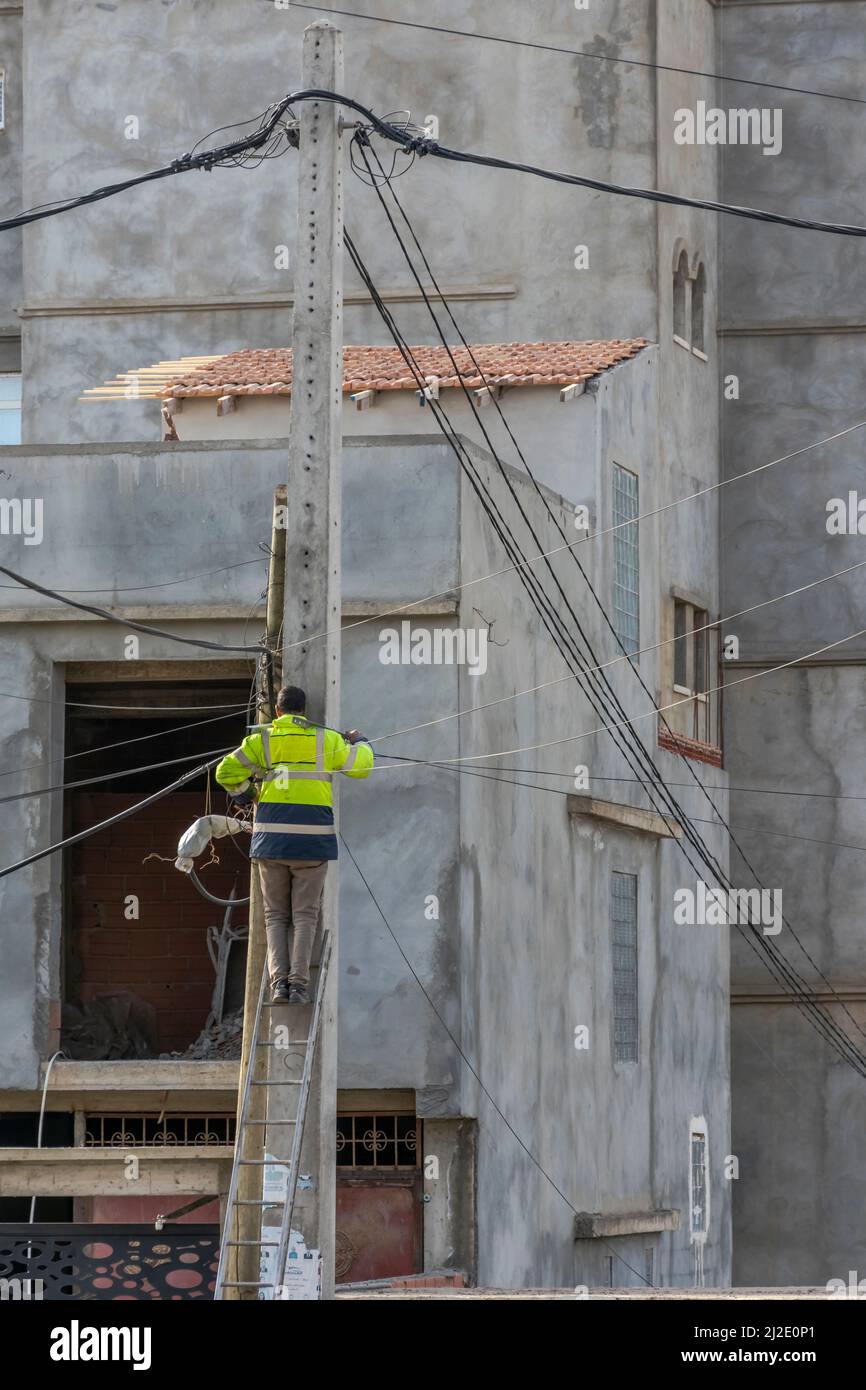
[(599, 1295), (143, 1076), (104, 1172), (593, 1225), (630, 817), (222, 612)]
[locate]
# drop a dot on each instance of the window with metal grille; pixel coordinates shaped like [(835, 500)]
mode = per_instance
[(377, 1141), (623, 922), (626, 570), (162, 1131), (698, 1195)]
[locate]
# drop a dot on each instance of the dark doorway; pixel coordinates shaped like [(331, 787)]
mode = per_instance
[(138, 972)]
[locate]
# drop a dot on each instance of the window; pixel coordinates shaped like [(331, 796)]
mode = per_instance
[(623, 923), (681, 278), (698, 285), (10, 408), (699, 1188), (626, 569), (689, 297), (695, 646), (377, 1141)]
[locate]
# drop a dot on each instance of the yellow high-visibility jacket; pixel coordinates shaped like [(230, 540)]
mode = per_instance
[(293, 762)]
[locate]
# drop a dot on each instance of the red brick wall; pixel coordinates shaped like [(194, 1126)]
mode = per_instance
[(163, 956)]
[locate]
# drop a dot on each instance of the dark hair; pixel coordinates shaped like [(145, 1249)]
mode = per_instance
[(292, 700)]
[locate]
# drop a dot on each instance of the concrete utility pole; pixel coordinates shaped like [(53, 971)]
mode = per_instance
[(312, 585), (244, 1224)]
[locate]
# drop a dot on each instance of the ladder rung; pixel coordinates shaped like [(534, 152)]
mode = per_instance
[(292, 1042), (246, 1284), (274, 1243), (276, 1083), (264, 1162), (251, 1202), (270, 1122)]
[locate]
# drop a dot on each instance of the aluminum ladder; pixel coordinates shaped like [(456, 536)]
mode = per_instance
[(268, 1289)]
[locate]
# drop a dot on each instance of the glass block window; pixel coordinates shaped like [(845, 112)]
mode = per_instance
[(623, 923), (626, 576), (699, 1197)]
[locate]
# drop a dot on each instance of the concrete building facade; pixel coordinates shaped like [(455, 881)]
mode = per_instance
[(792, 340), (556, 906)]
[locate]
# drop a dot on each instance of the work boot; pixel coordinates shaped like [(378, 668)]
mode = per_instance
[(299, 994), (280, 993)]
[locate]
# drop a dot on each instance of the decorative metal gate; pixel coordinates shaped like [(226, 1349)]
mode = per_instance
[(88, 1262)]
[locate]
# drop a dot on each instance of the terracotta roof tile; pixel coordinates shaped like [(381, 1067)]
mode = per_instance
[(268, 371)]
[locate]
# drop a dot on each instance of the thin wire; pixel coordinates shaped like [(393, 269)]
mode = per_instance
[(697, 840), (581, 53), (657, 709), (582, 540), (771, 958), (144, 588), (112, 820), (554, 791), (108, 777), (122, 621), (614, 661), (123, 742), (134, 709)]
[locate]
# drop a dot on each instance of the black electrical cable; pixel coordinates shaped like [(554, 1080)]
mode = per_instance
[(772, 960), (423, 146), (210, 159), (124, 622), (557, 523), (220, 902), (581, 53), (205, 160), (112, 820), (105, 777)]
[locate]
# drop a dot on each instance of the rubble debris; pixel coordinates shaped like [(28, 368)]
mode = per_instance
[(111, 1027), (219, 1040)]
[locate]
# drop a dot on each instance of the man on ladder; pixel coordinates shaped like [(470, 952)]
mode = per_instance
[(294, 837)]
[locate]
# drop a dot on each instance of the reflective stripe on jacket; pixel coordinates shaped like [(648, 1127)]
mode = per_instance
[(292, 763)]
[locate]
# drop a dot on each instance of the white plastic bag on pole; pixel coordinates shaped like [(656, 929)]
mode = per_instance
[(196, 839)]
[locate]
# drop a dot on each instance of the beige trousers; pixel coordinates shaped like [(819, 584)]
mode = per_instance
[(292, 893)]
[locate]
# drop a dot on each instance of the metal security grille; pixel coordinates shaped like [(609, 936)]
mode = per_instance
[(699, 1184), (623, 921), (377, 1141), (167, 1131), (626, 575), (98, 1262)]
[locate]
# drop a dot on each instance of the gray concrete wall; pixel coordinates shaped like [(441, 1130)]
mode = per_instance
[(99, 281), (10, 185), (535, 918), (793, 325), (114, 518)]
